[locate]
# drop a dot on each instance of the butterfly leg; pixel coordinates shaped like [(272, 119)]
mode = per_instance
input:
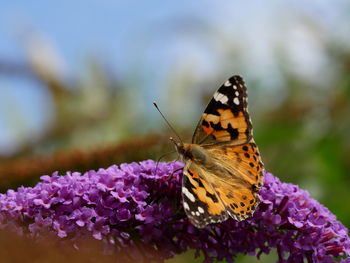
[(173, 176), (161, 157)]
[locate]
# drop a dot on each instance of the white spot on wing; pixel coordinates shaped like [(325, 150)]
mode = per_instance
[(220, 97), (197, 213), (237, 93), (217, 96), (224, 99), (186, 206), (227, 83), (236, 101), (234, 87), (188, 194), (200, 210)]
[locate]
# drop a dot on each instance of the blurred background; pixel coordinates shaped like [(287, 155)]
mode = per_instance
[(77, 81)]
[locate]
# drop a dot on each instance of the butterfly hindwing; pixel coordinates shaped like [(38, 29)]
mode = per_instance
[(238, 177), (230, 189), (226, 116)]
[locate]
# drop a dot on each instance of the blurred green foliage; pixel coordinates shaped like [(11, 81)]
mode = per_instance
[(301, 123)]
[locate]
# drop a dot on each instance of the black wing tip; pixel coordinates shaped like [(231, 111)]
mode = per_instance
[(234, 81), (236, 78)]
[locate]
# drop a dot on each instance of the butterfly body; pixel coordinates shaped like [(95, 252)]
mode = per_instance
[(193, 152), (223, 169)]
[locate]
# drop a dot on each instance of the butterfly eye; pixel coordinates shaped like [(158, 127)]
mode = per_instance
[(179, 147), (188, 155)]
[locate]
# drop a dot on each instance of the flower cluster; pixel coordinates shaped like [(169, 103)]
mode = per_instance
[(137, 208)]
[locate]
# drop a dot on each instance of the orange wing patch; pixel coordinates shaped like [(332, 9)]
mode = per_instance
[(206, 194), (247, 161), (226, 126), (240, 203), (238, 177), (200, 201)]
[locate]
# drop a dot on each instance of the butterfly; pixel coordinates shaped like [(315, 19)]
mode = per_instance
[(223, 169)]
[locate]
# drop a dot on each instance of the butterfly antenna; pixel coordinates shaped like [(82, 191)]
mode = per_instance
[(171, 127)]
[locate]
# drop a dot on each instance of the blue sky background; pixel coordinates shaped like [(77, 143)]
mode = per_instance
[(147, 40)]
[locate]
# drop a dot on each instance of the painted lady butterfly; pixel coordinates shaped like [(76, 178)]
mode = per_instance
[(223, 169)]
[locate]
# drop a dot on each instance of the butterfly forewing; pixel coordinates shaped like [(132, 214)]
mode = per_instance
[(201, 203), (226, 116)]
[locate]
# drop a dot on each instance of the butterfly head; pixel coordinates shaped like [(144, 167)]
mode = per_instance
[(182, 148), (179, 146)]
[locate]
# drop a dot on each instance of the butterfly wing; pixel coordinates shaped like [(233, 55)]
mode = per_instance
[(200, 201), (229, 188), (236, 177), (226, 117)]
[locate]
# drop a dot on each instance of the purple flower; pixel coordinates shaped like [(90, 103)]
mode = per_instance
[(137, 209), (83, 215), (40, 224)]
